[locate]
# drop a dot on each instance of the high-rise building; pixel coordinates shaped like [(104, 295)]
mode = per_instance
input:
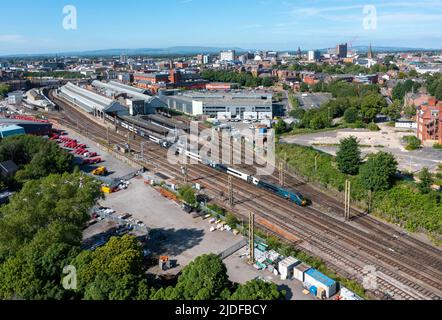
[(228, 55), (314, 55), (123, 58), (342, 50)]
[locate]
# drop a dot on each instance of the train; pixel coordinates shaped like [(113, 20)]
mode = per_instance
[(140, 132), (295, 197)]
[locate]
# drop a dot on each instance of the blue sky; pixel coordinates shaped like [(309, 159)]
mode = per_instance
[(29, 26)]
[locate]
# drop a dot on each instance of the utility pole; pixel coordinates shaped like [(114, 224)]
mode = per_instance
[(251, 238), (347, 214), (142, 151), (108, 136), (231, 151), (230, 186), (184, 170), (316, 162), (281, 174), (116, 125)]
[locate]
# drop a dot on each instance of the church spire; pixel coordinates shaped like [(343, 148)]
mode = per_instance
[(370, 52)]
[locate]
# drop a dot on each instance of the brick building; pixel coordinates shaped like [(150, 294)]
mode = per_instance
[(429, 122)]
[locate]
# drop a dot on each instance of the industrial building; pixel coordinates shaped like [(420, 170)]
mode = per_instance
[(21, 126), (91, 102), (11, 130), (137, 102), (15, 97), (211, 103)]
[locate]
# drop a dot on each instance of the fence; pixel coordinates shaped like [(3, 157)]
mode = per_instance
[(228, 252)]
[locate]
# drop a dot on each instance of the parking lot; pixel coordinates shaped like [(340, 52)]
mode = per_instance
[(173, 232), (116, 169), (308, 101)]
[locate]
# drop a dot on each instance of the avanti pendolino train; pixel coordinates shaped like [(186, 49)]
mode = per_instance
[(295, 197)]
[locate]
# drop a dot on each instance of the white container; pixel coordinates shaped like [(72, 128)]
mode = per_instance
[(299, 271), (286, 267)]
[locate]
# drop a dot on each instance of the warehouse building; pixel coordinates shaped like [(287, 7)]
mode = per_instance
[(21, 126), (211, 103), (137, 102), (91, 102), (11, 130)]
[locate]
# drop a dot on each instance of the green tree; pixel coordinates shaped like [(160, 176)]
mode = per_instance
[(35, 271), (188, 195), (63, 198), (371, 105), (257, 290), (351, 115), (203, 279), (4, 89), (348, 157), (280, 127), (267, 82), (378, 173), (113, 272), (426, 181)]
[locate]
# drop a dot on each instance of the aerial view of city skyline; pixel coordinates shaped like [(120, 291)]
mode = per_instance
[(248, 24)]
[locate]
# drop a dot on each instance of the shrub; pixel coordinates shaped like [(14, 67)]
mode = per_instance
[(413, 143), (373, 127)]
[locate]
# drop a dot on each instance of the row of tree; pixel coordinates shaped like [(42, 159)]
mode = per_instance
[(244, 79)]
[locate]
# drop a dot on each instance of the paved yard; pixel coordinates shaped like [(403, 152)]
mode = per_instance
[(173, 232), (388, 140)]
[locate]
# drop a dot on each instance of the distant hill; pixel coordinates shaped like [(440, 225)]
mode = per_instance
[(380, 49), (183, 50)]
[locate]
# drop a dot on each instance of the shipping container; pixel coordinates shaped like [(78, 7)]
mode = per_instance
[(299, 271), (319, 280), (286, 266)]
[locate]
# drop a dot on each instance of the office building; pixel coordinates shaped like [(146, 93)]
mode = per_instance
[(212, 103), (314, 55), (228, 56), (342, 50)]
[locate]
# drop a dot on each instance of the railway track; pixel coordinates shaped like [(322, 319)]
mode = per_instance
[(406, 267)]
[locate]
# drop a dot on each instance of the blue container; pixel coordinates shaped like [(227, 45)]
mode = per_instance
[(314, 291)]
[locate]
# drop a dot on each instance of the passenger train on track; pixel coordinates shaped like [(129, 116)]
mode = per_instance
[(295, 197)]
